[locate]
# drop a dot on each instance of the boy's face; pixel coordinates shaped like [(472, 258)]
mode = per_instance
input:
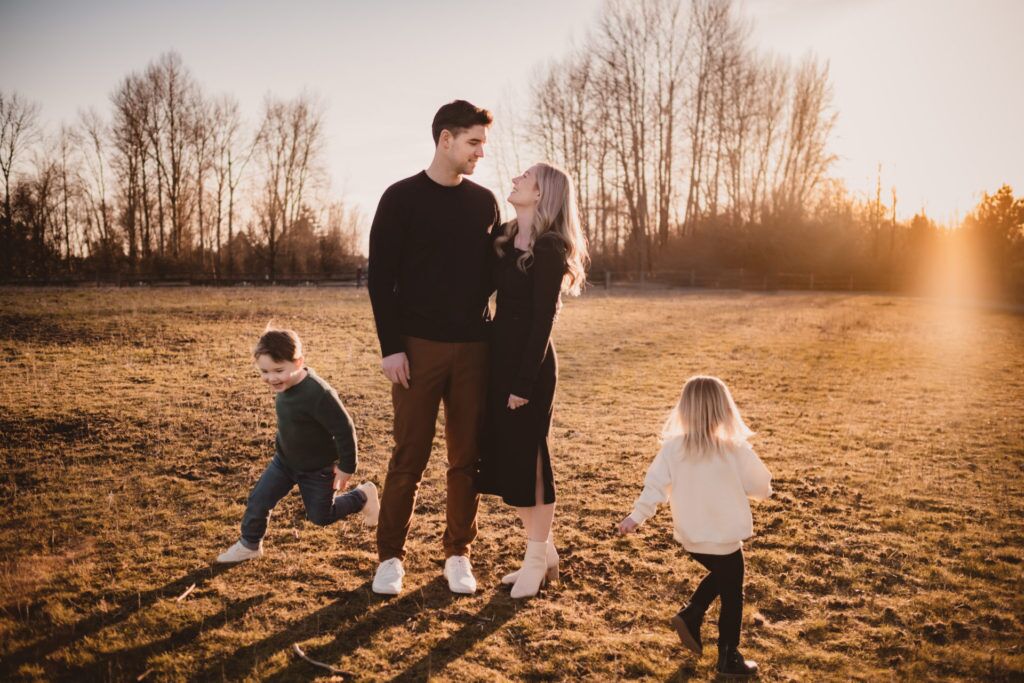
[(279, 374)]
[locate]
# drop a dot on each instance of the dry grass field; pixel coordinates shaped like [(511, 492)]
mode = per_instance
[(132, 427)]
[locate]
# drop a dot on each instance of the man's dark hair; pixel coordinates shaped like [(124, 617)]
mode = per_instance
[(457, 116)]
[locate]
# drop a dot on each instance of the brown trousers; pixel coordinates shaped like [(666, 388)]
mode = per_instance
[(456, 374)]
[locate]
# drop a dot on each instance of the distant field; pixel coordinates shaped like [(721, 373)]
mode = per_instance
[(132, 427)]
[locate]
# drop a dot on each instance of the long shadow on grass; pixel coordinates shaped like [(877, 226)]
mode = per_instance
[(132, 661), (431, 597), (492, 616), (354, 618), (686, 672), (124, 607), (347, 607)]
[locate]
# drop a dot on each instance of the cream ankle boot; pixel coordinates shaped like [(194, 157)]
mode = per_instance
[(535, 567), (552, 560)]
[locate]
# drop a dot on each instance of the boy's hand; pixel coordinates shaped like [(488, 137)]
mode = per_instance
[(627, 526), (340, 479)]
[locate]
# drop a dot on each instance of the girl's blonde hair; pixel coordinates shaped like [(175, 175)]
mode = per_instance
[(556, 213), (706, 417)]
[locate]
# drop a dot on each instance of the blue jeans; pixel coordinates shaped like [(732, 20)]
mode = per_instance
[(317, 489)]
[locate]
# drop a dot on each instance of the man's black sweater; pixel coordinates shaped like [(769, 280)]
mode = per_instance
[(428, 275)]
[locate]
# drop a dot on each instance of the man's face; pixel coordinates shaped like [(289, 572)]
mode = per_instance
[(466, 148)]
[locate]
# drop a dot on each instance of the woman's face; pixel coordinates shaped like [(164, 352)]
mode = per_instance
[(525, 191)]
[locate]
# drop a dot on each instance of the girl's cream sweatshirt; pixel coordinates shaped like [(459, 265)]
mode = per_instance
[(707, 493)]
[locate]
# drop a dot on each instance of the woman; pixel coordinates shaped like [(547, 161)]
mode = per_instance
[(539, 255)]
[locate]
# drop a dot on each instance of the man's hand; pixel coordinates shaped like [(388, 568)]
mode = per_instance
[(627, 526), (396, 368), (340, 479), (516, 402)]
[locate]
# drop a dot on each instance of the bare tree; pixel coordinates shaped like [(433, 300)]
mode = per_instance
[(623, 78), (171, 90), (771, 80), (128, 132), (232, 151), (201, 142), (805, 157), (18, 130), (42, 219), (709, 18), (671, 41), (290, 148), (67, 160), (92, 137)]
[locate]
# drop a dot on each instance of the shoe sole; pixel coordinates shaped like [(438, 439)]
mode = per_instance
[(543, 583), (387, 591), (551, 576), (720, 674), (244, 559), (371, 519), (689, 642)]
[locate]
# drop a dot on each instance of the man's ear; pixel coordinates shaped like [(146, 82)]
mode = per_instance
[(445, 139)]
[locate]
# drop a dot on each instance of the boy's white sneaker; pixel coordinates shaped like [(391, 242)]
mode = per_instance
[(459, 573), (239, 553), (388, 580), (371, 511)]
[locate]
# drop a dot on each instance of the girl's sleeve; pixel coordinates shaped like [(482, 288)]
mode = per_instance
[(548, 270), (756, 479), (657, 488)]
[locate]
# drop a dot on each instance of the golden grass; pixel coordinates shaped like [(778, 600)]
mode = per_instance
[(132, 427)]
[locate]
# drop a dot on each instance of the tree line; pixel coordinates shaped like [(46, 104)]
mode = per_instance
[(692, 148), (171, 181)]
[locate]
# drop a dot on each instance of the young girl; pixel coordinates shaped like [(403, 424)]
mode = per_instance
[(315, 448), (706, 471)]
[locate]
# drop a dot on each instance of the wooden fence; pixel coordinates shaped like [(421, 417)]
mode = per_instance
[(740, 278)]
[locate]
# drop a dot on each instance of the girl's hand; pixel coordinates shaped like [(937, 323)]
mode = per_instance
[(627, 526), (340, 479), (516, 402)]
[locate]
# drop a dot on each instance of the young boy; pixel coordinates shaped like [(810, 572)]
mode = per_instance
[(315, 448)]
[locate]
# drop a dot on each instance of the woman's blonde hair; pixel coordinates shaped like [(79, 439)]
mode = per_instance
[(706, 417), (556, 213)]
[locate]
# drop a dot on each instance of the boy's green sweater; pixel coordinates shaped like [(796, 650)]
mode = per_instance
[(313, 428)]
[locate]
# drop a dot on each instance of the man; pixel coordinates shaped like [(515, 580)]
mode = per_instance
[(428, 285)]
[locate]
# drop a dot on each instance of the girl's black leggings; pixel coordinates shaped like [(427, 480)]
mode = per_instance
[(725, 580)]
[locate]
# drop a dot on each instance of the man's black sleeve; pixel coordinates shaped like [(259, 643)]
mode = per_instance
[(385, 255)]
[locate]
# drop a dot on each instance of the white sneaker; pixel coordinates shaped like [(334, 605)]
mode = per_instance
[(371, 511), (239, 553), (388, 580), (459, 573)]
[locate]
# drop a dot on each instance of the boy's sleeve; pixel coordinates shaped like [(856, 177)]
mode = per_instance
[(332, 415), (657, 488), (756, 479)]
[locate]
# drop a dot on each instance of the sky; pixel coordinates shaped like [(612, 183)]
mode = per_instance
[(930, 90)]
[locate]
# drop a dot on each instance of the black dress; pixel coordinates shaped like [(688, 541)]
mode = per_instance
[(523, 363)]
